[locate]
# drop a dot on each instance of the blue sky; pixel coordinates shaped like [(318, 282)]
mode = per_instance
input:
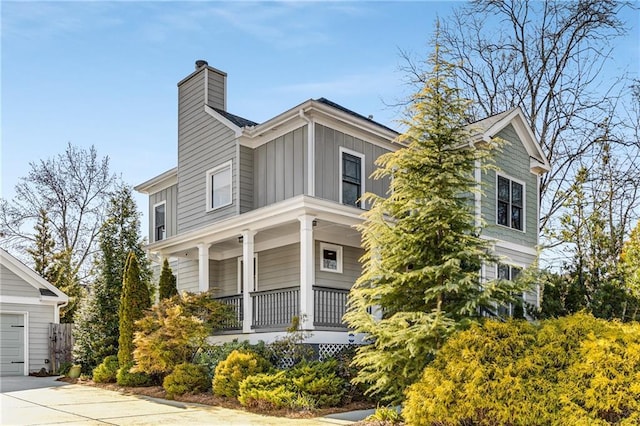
[(105, 73)]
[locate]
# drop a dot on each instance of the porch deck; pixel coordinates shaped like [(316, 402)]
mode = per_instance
[(274, 309)]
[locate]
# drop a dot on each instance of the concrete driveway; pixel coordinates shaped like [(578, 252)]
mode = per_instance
[(44, 401)]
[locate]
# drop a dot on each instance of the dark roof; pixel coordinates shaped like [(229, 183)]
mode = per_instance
[(353, 113), (47, 292), (237, 120)]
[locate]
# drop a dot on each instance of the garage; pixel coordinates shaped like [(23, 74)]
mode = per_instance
[(11, 345), (28, 305)]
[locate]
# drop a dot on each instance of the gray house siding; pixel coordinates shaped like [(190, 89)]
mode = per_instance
[(39, 317), (351, 269), (186, 272), (216, 89), (203, 143), (327, 168), (170, 197), (13, 285), (513, 162), (226, 276), (279, 267), (246, 171), (280, 168)]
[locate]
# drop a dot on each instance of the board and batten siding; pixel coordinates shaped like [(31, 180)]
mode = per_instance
[(170, 197), (280, 168), (13, 285), (246, 172), (39, 317), (203, 143), (351, 268), (512, 162), (327, 167)]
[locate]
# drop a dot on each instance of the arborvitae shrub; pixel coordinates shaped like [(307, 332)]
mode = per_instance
[(572, 370), (233, 370), (107, 371), (186, 378), (126, 378), (267, 391)]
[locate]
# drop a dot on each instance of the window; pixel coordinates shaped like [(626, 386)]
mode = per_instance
[(351, 183), (510, 203), (508, 272), (241, 274), (330, 258), (219, 186), (159, 222)]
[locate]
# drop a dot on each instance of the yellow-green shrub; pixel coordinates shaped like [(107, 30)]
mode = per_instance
[(266, 391), (107, 371), (127, 377), (319, 382), (573, 370), (233, 370), (185, 378)]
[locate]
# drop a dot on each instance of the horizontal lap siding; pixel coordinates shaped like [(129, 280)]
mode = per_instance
[(226, 277), (351, 269), (203, 143), (40, 316), (279, 168), (186, 273), (13, 285), (279, 267), (327, 153), (170, 197), (513, 162), (216, 90)]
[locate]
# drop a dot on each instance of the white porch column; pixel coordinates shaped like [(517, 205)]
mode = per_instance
[(307, 271), (247, 279), (203, 267)]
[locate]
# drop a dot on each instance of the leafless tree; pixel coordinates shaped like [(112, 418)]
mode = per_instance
[(73, 189)]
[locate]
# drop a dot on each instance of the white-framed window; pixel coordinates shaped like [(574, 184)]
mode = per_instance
[(330, 258), (351, 177), (508, 272), (510, 202), (219, 186), (241, 273), (159, 221)]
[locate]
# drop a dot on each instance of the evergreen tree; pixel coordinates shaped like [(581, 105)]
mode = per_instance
[(96, 330), (133, 303), (43, 253), (423, 254), (167, 285)]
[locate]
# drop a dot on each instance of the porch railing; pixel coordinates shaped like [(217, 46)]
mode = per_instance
[(235, 322), (329, 305), (275, 308)]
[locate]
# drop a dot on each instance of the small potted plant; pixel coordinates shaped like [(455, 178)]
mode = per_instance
[(74, 371)]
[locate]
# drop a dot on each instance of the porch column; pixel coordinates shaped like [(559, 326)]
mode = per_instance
[(307, 271), (203, 267), (247, 279)]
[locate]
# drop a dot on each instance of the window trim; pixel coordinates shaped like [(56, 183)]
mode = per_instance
[(338, 250), (255, 273), (524, 202), (210, 173), (155, 228), (360, 155), (511, 266)]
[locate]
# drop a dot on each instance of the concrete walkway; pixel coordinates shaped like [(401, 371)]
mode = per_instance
[(43, 401)]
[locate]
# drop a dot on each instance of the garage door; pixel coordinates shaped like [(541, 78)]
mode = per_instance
[(11, 345)]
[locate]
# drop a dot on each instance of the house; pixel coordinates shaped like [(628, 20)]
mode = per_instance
[(264, 213), (28, 304)]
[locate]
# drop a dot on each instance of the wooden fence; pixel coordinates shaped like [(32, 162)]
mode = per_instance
[(60, 345)]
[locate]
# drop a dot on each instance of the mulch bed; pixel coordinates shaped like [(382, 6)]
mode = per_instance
[(210, 399)]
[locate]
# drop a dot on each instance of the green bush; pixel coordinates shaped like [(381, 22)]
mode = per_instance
[(127, 378), (572, 370), (107, 371), (211, 356), (234, 369), (186, 378), (266, 391), (319, 381)]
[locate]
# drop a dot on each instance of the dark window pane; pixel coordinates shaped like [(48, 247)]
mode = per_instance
[(330, 259), (503, 272), (503, 217), (159, 222), (516, 218), (351, 168), (516, 194), (503, 189), (515, 272), (350, 194)]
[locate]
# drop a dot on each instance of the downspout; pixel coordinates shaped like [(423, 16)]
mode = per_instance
[(311, 181), (56, 315)]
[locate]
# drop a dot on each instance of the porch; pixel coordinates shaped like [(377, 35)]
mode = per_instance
[(273, 310)]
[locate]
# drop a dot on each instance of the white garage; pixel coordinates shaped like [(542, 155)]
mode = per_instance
[(28, 304)]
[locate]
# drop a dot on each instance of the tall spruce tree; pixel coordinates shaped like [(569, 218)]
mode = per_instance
[(167, 284), (133, 303), (423, 254), (43, 251)]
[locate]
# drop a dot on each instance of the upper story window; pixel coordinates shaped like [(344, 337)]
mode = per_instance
[(219, 186), (351, 179), (510, 203), (330, 258), (159, 221)]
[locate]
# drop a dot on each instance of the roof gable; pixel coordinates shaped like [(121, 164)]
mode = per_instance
[(30, 277)]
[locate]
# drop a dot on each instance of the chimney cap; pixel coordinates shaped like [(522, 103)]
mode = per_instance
[(201, 63)]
